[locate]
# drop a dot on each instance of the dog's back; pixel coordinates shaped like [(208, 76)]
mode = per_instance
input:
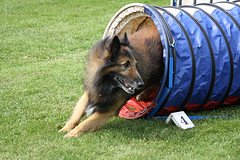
[(147, 44)]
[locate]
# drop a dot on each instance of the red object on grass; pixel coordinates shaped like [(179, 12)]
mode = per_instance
[(135, 109)]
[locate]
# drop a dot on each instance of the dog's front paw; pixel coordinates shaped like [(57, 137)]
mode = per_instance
[(68, 126), (72, 133), (140, 96)]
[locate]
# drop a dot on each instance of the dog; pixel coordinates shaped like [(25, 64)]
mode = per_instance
[(118, 68)]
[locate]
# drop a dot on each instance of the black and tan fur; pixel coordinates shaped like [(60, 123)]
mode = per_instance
[(118, 68)]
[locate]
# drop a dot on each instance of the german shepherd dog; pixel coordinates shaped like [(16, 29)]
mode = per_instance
[(117, 69)]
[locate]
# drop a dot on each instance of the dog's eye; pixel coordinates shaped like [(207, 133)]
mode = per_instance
[(126, 64)]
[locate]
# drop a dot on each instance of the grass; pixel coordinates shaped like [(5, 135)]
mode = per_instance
[(43, 46)]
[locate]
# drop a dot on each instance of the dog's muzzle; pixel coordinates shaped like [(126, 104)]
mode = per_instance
[(128, 87)]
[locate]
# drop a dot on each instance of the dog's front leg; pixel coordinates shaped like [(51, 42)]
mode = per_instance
[(144, 95), (78, 112), (93, 123)]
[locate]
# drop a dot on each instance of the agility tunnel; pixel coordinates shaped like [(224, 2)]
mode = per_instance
[(201, 51)]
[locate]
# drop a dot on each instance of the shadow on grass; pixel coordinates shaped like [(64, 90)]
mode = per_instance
[(158, 130), (153, 129), (145, 129)]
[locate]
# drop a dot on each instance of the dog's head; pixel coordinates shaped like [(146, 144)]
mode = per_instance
[(116, 63)]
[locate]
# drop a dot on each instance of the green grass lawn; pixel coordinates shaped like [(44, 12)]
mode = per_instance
[(43, 47)]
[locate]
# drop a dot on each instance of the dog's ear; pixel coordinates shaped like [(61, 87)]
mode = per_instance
[(114, 46), (125, 41)]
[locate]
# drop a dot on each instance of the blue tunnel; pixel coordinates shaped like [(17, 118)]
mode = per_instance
[(201, 51)]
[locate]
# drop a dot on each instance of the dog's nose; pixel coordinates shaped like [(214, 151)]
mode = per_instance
[(140, 84)]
